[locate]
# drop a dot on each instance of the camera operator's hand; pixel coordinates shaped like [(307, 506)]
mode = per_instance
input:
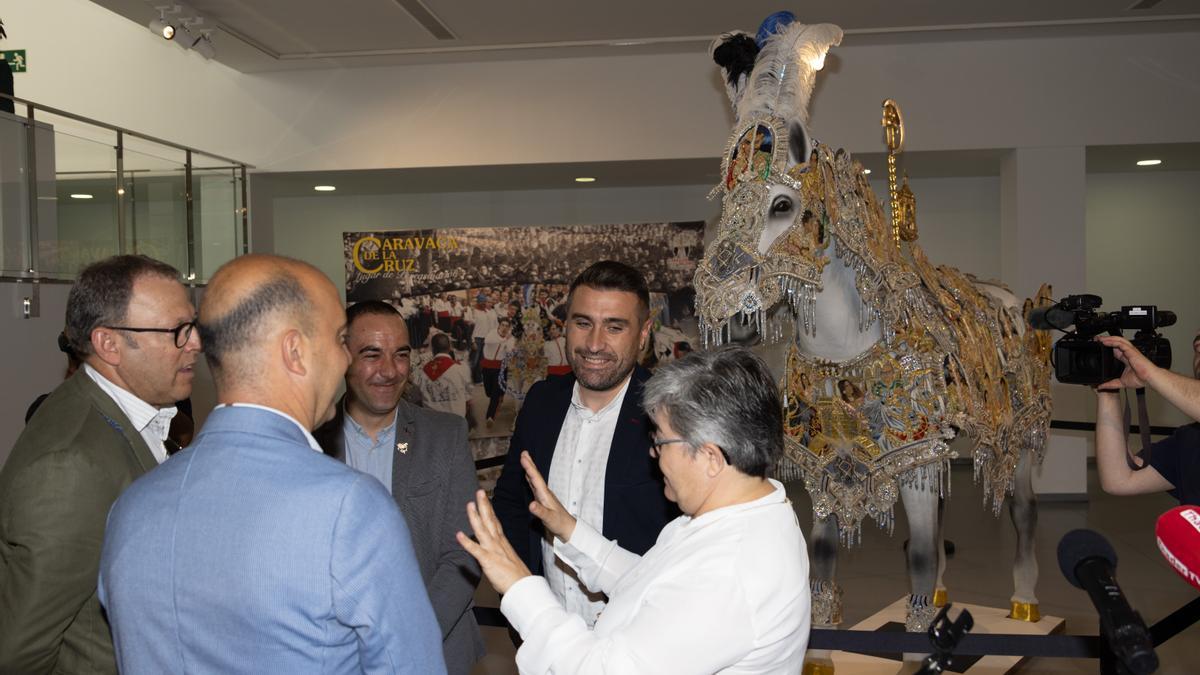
[(1182, 392), (1138, 369)]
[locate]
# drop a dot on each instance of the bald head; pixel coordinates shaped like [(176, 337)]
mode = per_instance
[(247, 300), (274, 332)]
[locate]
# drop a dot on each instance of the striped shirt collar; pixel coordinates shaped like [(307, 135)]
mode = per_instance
[(141, 414)]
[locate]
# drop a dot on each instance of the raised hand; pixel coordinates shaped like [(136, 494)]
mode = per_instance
[(496, 556), (545, 505)]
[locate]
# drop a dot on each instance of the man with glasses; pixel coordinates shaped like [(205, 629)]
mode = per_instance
[(130, 320)]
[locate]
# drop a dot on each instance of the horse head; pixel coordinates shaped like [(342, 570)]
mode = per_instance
[(767, 180), (789, 206)]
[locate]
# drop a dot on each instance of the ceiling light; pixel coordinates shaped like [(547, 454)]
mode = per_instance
[(866, 172), (80, 195), (1149, 162), (162, 25), (324, 188), (585, 179)]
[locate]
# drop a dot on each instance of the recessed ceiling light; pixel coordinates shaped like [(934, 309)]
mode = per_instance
[(866, 171), (1149, 162), (324, 188), (80, 195), (585, 179)]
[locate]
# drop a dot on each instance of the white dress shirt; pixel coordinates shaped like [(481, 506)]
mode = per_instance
[(152, 423), (485, 322), (723, 593), (577, 477)]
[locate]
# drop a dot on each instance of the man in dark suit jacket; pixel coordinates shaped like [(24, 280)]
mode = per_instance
[(565, 422), (422, 457), (131, 321)]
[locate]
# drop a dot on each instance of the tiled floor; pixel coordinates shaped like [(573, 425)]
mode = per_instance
[(980, 572)]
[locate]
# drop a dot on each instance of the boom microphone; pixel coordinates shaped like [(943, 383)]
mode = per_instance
[(1089, 562), (1178, 534)]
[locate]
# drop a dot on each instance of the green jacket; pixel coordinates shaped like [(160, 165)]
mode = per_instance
[(68, 466)]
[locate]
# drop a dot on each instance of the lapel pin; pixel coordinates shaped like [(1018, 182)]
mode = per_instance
[(402, 448)]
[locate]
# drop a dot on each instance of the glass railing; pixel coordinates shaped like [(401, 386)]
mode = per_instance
[(102, 190)]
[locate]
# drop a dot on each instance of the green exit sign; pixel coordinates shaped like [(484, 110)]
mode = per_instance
[(16, 60)]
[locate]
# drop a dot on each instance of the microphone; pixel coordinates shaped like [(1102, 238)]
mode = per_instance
[(1178, 534), (1089, 562), (1053, 317)]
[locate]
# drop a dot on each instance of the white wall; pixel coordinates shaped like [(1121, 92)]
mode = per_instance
[(1143, 247), (1066, 91)]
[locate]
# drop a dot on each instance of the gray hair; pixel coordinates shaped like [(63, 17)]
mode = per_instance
[(725, 396)]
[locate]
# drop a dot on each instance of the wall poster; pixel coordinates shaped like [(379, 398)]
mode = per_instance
[(461, 282)]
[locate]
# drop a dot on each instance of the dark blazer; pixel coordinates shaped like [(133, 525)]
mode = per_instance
[(76, 455), (432, 483), (635, 508)]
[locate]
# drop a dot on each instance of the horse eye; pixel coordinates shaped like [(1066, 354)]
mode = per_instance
[(780, 206)]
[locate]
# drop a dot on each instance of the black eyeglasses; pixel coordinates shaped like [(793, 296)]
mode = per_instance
[(654, 447), (655, 452), (182, 332)]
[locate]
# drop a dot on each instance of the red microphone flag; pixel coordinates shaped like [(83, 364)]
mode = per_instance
[(1178, 534)]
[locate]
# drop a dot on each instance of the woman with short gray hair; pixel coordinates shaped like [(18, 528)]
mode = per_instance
[(725, 588)]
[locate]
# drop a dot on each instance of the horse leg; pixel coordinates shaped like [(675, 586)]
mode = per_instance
[(1023, 510), (826, 594), (940, 595), (920, 497)]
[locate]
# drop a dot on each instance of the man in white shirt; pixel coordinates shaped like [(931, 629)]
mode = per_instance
[(496, 345), (555, 350), (445, 383), (485, 322), (588, 435), (130, 320)]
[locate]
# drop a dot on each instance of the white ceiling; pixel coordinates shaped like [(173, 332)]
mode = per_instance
[(263, 35), (266, 35)]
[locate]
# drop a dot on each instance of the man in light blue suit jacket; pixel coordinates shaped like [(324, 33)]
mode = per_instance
[(251, 551)]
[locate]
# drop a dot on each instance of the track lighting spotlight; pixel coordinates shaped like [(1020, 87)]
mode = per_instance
[(183, 26), (163, 25)]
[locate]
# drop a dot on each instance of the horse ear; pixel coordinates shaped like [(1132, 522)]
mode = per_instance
[(735, 53), (799, 143)]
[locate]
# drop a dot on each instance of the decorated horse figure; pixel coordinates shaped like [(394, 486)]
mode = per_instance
[(890, 356)]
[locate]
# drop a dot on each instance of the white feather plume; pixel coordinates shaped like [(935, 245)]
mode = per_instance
[(785, 71)]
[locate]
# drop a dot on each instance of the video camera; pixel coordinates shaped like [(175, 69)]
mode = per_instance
[(1079, 359)]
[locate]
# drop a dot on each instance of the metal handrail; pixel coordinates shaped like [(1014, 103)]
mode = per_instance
[(128, 132), (31, 273)]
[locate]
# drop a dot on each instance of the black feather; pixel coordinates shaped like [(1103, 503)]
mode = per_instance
[(736, 55)]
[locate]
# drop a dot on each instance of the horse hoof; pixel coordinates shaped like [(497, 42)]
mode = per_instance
[(1025, 611), (940, 597), (817, 668)]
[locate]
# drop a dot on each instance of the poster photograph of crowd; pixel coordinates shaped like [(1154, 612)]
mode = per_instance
[(485, 306)]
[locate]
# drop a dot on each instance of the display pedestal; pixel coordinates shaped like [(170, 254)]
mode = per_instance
[(988, 620)]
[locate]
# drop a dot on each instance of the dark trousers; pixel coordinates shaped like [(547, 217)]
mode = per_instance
[(495, 393), (476, 357)]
